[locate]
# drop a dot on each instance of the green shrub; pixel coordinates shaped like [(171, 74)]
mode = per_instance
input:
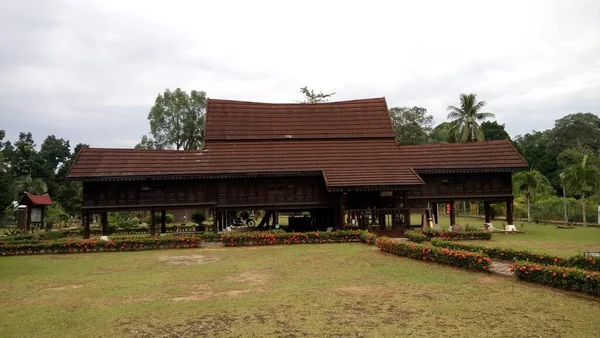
[(368, 237), (272, 238), (463, 259), (559, 277), (93, 245), (579, 261), (416, 236), (211, 237), (198, 217), (455, 236)]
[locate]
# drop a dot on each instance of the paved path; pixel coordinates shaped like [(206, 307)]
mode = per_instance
[(502, 267)]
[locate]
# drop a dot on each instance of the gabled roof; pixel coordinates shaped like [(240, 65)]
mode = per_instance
[(228, 120), (463, 157), (36, 200), (343, 163)]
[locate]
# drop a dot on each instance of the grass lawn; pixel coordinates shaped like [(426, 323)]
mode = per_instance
[(330, 290)]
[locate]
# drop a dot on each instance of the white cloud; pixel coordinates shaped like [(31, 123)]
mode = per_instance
[(89, 71)]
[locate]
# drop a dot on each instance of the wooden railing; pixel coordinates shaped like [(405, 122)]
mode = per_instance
[(382, 219)]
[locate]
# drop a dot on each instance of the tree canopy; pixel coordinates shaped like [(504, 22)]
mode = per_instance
[(494, 131), (411, 125), (466, 118), (177, 120), (311, 97)]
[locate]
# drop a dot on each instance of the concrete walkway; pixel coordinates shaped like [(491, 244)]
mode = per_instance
[(502, 267)]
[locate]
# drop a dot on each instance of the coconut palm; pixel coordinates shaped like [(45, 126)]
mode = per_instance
[(35, 186), (582, 178), (531, 183), (466, 119)]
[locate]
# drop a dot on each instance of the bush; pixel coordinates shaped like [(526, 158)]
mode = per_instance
[(579, 261), (211, 237), (368, 237), (198, 217), (559, 277), (416, 236), (274, 238), (455, 236), (462, 259), (92, 245)]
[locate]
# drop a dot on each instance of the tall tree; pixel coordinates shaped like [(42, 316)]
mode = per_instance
[(443, 133), (494, 131), (534, 148), (23, 156), (411, 125), (581, 130), (35, 186), (69, 193), (311, 97), (531, 183), (147, 143), (467, 117), (6, 184), (583, 179), (177, 119)]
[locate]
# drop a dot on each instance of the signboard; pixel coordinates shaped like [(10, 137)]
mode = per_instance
[(36, 215), (387, 193)]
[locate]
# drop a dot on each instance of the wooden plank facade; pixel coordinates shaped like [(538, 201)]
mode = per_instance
[(262, 157)]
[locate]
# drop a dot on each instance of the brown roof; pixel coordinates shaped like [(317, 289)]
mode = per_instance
[(350, 143), (474, 156), (31, 199), (238, 120), (343, 163)]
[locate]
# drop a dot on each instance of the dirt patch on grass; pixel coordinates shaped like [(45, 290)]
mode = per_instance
[(64, 287), (489, 279), (188, 260), (361, 290), (249, 278), (208, 294), (137, 299)]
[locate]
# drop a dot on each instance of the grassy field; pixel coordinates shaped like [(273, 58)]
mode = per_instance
[(330, 290)]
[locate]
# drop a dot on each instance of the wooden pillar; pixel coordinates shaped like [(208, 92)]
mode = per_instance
[(86, 224), (487, 210), (163, 221), (28, 224), (509, 211), (342, 224), (406, 209), (152, 222), (434, 211), (215, 225), (42, 223), (104, 223), (452, 213)]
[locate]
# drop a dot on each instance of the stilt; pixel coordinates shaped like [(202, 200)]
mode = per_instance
[(152, 222), (434, 211), (104, 223), (163, 221), (452, 213), (86, 225), (487, 210), (509, 215)]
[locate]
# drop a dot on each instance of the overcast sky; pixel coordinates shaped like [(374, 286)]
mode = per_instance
[(89, 71)]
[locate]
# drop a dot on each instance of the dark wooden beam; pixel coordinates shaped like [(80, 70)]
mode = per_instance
[(452, 213), (86, 224), (487, 209), (434, 211), (509, 211), (163, 221), (152, 222), (104, 223)]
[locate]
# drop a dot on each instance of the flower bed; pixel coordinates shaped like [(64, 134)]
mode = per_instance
[(93, 245), (416, 236), (274, 238), (455, 236), (368, 237), (579, 261), (559, 277), (462, 259)]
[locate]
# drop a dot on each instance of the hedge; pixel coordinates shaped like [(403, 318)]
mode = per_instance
[(461, 259), (274, 238), (93, 245), (559, 277), (579, 261), (416, 236)]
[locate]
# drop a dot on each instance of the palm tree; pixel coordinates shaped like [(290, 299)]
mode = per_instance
[(466, 119), (35, 186), (582, 178), (531, 183)]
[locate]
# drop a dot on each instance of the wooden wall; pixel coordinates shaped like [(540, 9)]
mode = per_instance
[(223, 193), (463, 185)]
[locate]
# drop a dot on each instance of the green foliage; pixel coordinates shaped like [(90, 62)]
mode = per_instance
[(443, 133), (274, 238), (559, 277), (411, 125), (92, 245), (457, 235), (461, 259), (531, 184), (580, 130), (494, 131), (368, 237), (578, 261), (466, 119), (416, 236), (198, 217), (34, 186), (583, 179), (311, 97), (177, 120), (56, 214)]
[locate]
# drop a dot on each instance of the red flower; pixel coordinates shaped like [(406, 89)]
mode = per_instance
[(556, 259), (588, 276), (564, 275), (554, 274), (479, 261), (484, 267)]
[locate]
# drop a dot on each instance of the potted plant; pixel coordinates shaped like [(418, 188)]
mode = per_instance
[(198, 218)]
